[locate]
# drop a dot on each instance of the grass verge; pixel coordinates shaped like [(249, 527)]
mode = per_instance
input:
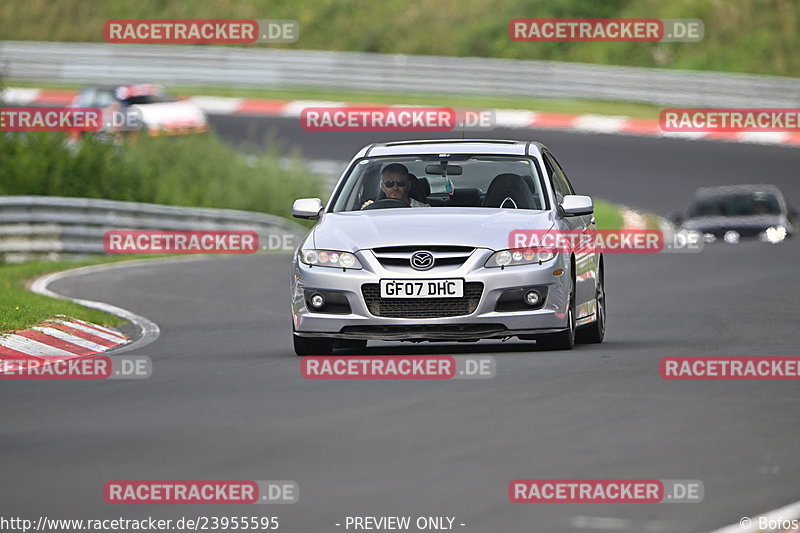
[(608, 215), (21, 308), (194, 171), (755, 36)]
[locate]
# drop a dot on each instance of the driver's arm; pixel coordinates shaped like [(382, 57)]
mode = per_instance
[(365, 204)]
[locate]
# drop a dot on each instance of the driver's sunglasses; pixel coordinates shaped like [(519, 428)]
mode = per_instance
[(391, 183)]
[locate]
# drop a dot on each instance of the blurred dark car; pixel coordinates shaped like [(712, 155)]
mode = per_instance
[(734, 212)]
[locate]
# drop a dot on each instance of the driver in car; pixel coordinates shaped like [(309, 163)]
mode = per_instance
[(396, 183)]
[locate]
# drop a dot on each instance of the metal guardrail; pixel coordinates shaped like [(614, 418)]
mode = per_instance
[(271, 68), (53, 227)]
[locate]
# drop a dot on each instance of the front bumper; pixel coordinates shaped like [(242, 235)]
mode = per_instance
[(483, 323)]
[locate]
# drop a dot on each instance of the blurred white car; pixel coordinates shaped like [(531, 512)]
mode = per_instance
[(144, 107)]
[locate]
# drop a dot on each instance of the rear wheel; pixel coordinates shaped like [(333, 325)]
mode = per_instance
[(563, 340), (312, 345), (594, 332)]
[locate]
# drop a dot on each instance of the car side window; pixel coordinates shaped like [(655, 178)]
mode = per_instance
[(103, 99), (557, 179), (561, 176), (85, 98)]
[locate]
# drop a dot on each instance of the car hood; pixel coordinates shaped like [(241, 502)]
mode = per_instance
[(171, 114), (748, 226), (478, 227)]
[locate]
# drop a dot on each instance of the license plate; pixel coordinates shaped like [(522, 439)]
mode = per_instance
[(422, 288)]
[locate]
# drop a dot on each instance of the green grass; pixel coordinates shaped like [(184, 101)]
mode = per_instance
[(554, 105), (197, 170), (20, 308), (608, 215), (754, 36)]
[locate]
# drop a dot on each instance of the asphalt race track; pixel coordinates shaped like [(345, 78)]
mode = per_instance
[(226, 399)]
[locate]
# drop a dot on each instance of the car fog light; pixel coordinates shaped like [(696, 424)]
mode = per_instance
[(531, 298), (317, 300)]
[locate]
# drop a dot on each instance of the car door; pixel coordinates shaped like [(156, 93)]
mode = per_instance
[(586, 261)]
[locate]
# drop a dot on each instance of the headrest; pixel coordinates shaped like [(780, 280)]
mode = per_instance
[(466, 198), (509, 190)]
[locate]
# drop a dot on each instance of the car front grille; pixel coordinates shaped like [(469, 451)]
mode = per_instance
[(444, 256), (422, 307)]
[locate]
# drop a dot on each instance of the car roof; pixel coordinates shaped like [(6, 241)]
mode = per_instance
[(114, 87), (733, 189), (99, 87), (452, 146)]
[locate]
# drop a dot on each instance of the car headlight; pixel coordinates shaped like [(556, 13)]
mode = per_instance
[(774, 234), (731, 237), (329, 258), (519, 256)]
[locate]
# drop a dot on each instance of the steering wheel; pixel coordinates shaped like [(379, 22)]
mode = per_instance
[(386, 203)]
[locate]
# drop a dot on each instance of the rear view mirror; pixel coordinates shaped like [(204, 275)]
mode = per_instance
[(575, 205), (308, 208), (452, 170)]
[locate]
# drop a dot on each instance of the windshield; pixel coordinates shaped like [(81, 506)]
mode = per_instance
[(470, 181), (142, 94), (736, 204)]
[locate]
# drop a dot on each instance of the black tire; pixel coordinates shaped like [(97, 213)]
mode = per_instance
[(593, 333), (312, 345), (563, 340)]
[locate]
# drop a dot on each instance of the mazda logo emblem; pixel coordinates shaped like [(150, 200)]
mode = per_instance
[(422, 260)]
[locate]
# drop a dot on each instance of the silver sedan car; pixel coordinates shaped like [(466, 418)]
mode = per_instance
[(414, 245)]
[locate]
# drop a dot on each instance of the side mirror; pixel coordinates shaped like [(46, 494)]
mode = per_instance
[(573, 205), (676, 218), (308, 208)]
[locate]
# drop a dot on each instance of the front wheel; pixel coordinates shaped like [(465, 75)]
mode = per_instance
[(594, 332), (563, 340), (312, 345)]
